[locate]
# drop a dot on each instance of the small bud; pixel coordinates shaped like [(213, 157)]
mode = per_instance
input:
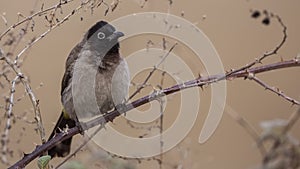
[(250, 76), (266, 21), (255, 14)]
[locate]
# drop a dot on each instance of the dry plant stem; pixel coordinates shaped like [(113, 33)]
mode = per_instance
[(267, 54), (161, 103), (50, 29), (9, 114), (275, 90), (247, 126), (41, 12), (151, 73), (34, 101), (24, 30), (292, 120), (112, 115)]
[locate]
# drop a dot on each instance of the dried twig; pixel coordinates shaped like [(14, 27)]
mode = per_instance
[(41, 12), (274, 90), (34, 101), (155, 67), (9, 115), (51, 28), (267, 54), (248, 128)]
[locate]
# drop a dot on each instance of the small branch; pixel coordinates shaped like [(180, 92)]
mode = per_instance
[(41, 12), (292, 120), (152, 71), (34, 101), (248, 127), (274, 90), (52, 27), (267, 54), (9, 114)]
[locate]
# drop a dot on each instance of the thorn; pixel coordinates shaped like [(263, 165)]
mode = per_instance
[(281, 59), (201, 86), (182, 14)]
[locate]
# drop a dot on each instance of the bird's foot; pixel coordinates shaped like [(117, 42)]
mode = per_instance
[(79, 126)]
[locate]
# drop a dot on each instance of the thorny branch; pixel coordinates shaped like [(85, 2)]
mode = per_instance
[(267, 54), (34, 101), (108, 117), (155, 67), (5, 136), (274, 90), (37, 14)]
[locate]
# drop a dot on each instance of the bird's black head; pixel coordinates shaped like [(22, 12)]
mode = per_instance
[(103, 37)]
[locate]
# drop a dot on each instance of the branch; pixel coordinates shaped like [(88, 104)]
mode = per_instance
[(275, 90), (152, 71), (267, 54), (250, 129), (29, 18), (52, 26), (112, 115), (8, 115)]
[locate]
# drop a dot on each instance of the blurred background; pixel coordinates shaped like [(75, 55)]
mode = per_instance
[(237, 37)]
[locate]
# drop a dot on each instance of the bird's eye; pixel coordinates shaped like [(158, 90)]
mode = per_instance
[(101, 35)]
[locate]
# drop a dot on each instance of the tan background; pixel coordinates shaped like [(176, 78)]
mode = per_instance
[(238, 39)]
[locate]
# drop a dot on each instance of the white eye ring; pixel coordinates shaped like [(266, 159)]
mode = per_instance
[(101, 35)]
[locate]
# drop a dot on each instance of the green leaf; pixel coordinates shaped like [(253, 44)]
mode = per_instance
[(43, 162)]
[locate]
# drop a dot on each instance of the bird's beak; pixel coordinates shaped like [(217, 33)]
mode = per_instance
[(115, 35)]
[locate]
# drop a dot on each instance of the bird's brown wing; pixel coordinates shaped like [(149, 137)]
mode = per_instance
[(73, 56)]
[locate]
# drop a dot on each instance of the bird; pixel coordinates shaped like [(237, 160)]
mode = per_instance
[(95, 73)]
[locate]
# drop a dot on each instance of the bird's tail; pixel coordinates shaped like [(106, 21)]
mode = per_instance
[(62, 149)]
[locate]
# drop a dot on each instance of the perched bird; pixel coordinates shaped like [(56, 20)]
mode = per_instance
[(95, 74)]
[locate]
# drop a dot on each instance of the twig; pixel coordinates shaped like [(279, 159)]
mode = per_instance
[(143, 3), (274, 90), (267, 54), (248, 127), (9, 114), (152, 71), (4, 19), (50, 29), (292, 120), (34, 101), (41, 12), (23, 31)]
